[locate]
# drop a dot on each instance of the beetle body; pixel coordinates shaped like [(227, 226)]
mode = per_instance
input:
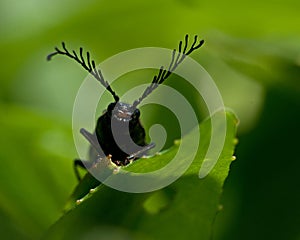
[(123, 120)]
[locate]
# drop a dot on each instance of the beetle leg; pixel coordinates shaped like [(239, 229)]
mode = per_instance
[(140, 153), (92, 138)]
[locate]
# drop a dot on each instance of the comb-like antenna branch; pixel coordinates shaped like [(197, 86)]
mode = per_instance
[(90, 66), (186, 43), (172, 61), (163, 74)]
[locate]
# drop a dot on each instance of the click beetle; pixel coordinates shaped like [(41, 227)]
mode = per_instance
[(124, 118)]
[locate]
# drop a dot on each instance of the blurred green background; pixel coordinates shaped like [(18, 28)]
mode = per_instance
[(252, 51)]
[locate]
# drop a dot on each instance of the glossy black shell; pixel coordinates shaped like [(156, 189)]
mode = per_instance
[(126, 125)]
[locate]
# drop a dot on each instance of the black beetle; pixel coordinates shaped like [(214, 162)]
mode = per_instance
[(121, 117)]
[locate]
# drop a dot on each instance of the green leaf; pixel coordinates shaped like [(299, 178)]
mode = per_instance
[(184, 209), (34, 172)]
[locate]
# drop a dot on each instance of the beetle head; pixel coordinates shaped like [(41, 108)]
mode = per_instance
[(123, 112)]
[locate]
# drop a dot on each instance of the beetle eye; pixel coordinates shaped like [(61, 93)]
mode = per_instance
[(136, 113), (111, 107)]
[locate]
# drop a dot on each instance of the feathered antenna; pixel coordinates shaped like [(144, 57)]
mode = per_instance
[(163, 74), (90, 66)]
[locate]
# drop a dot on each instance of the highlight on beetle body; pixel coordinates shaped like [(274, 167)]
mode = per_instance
[(120, 117)]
